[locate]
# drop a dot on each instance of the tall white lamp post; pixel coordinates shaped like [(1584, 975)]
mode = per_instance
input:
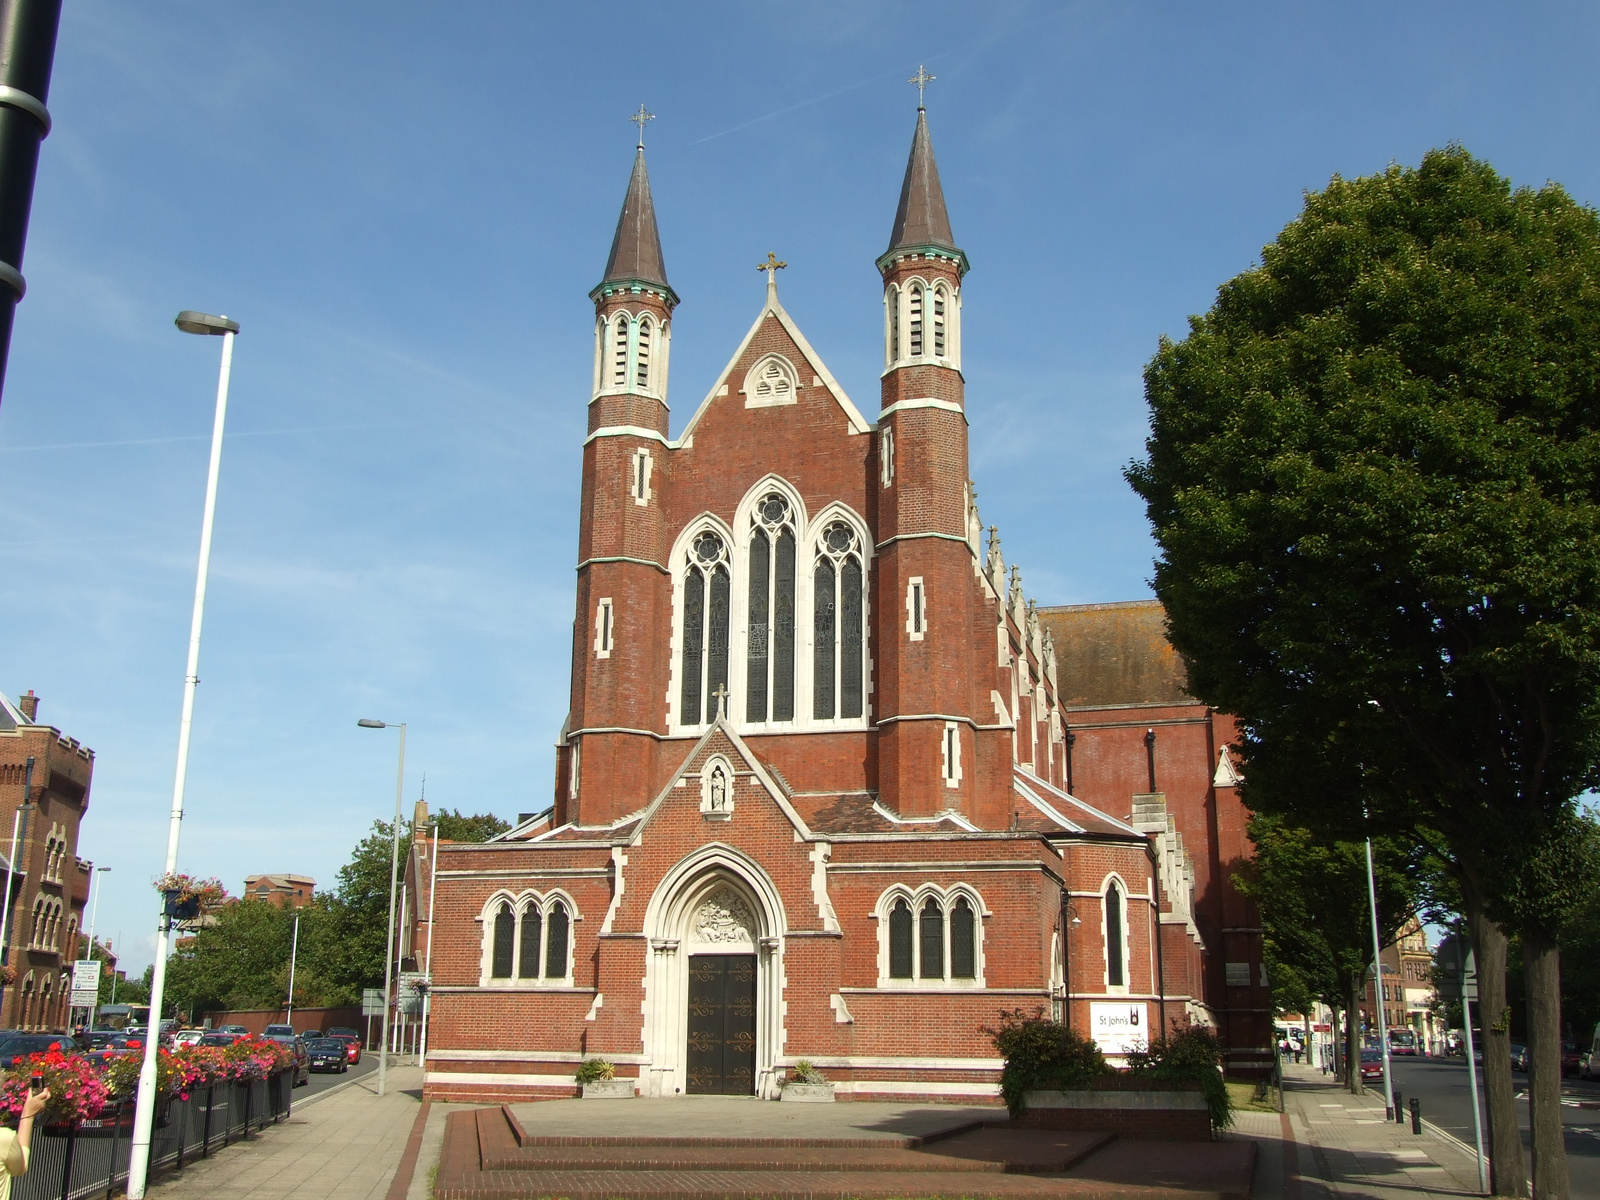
[(144, 1110), (394, 875), (94, 916)]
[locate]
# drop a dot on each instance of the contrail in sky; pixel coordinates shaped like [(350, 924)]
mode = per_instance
[(796, 107), (194, 437)]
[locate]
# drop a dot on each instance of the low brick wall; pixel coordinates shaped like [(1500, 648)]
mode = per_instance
[(1173, 1114), (256, 1020)]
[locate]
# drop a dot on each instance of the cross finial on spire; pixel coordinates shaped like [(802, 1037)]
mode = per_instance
[(639, 118), (922, 79)]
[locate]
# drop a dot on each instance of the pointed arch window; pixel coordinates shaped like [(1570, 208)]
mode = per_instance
[(1116, 937), (930, 927), (915, 322), (641, 361), (900, 940), (505, 932), (619, 350), (963, 940), (706, 590), (891, 304), (940, 304), (769, 674), (837, 625), (555, 960), (528, 950)]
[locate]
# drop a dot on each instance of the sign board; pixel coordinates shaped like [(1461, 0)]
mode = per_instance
[(1118, 1028), (413, 983), (1236, 974), (85, 983), (372, 1002), (1455, 970)]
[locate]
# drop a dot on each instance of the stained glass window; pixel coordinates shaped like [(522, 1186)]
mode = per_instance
[(505, 932), (850, 639), (900, 940), (555, 961), (1114, 969), (532, 935), (694, 608), (717, 641), (783, 629), (755, 702), (963, 940), (822, 681), (932, 941)]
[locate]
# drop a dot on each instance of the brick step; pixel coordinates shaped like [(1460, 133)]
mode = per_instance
[(795, 1185), (973, 1151)]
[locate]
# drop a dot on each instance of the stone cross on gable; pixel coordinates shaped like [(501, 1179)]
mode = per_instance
[(772, 266), (722, 701)]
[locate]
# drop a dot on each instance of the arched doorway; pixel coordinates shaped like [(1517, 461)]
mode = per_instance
[(713, 1020)]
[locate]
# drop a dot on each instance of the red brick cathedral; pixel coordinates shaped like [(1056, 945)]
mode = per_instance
[(812, 795)]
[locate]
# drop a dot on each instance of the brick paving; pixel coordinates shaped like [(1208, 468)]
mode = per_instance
[(345, 1146)]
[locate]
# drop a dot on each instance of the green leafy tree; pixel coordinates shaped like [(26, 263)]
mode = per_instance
[(1315, 913), (1372, 473), (479, 827)]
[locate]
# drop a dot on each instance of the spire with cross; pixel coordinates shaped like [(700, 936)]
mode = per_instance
[(639, 118), (772, 266), (922, 79)]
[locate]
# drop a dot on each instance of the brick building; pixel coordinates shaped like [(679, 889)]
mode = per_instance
[(46, 776), (288, 891), (812, 795)]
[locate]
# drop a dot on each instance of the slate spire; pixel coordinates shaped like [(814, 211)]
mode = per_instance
[(921, 220), (636, 248)]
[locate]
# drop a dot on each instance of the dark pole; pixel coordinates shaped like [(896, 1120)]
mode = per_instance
[(27, 53), (1072, 740), (1150, 755)]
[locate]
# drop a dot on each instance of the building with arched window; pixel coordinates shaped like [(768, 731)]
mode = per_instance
[(812, 796)]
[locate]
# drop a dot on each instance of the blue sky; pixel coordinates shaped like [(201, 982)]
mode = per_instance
[(405, 205)]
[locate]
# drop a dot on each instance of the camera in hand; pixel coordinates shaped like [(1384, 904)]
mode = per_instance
[(36, 1084)]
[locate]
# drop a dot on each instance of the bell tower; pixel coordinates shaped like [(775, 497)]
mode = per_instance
[(928, 717), (607, 756)]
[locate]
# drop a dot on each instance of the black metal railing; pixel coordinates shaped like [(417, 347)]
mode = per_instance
[(90, 1159)]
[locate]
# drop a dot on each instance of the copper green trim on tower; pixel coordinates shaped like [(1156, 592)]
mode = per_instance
[(635, 260), (921, 222)]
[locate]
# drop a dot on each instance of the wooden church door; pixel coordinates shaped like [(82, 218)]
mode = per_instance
[(722, 1024)]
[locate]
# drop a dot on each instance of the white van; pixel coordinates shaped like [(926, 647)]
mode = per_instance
[(1590, 1067)]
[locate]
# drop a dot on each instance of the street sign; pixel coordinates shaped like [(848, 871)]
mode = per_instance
[(372, 1002), (85, 983), (1455, 970)]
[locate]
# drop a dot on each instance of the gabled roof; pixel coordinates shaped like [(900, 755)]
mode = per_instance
[(636, 246), (772, 308), (921, 221), (11, 716), (1065, 810)]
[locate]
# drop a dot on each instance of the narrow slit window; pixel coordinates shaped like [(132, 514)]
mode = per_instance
[(938, 322), (641, 477), (555, 961), (505, 932), (886, 457), (931, 931), (916, 609), (916, 322), (603, 628), (619, 362), (1115, 974), (900, 940), (641, 358), (532, 935), (892, 302)]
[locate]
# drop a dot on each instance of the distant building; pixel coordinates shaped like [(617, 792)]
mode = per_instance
[(291, 891), (1408, 990), (45, 776)]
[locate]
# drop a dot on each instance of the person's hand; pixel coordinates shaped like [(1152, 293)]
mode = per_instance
[(35, 1103)]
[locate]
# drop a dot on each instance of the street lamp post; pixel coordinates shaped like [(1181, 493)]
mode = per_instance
[(1377, 991), (144, 1110), (294, 952), (94, 915), (394, 875)]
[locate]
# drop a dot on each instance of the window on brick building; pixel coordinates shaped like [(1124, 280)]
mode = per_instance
[(900, 941), (1116, 937), (639, 488), (603, 628), (619, 350), (837, 683), (940, 304), (530, 941), (916, 608), (505, 932), (705, 629), (555, 960), (886, 457), (930, 937), (769, 641), (915, 321), (641, 356), (891, 316), (950, 755)]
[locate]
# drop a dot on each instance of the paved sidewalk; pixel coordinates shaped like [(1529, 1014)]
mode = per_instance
[(1328, 1143), (344, 1146)]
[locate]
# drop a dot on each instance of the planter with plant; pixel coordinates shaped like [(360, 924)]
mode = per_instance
[(598, 1079), (805, 1084)]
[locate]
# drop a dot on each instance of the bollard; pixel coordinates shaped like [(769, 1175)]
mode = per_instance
[(1399, 1108), (1416, 1115)]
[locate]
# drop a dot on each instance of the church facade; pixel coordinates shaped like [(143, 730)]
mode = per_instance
[(812, 796)]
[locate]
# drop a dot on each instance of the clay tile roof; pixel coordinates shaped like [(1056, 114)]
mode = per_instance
[(1115, 654), (636, 247), (921, 219)]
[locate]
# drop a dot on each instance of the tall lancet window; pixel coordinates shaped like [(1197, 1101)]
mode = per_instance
[(619, 350), (891, 304), (838, 628), (940, 303), (706, 590), (641, 367), (916, 321), (769, 679)]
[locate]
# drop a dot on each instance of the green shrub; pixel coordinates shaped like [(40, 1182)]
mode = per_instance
[(1191, 1054), (1041, 1053), (593, 1070), (803, 1071)]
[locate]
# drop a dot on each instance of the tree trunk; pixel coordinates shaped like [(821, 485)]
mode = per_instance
[(1509, 1175), (1541, 966), (1352, 1041)]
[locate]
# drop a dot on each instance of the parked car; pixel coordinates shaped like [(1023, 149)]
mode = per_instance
[(1519, 1057), (239, 1029), (352, 1046), (344, 1031), (279, 1033), (1371, 1065), (221, 1039), (1571, 1059), (312, 1034), (327, 1054), (98, 1039), (302, 1061), (15, 1049), (188, 1037)]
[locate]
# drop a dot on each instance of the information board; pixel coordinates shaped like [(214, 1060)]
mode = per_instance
[(85, 983), (1118, 1028)]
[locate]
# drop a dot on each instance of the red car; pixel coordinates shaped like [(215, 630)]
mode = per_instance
[(1372, 1065), (352, 1046)]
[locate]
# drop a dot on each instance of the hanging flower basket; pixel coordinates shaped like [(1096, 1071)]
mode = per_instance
[(186, 898)]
